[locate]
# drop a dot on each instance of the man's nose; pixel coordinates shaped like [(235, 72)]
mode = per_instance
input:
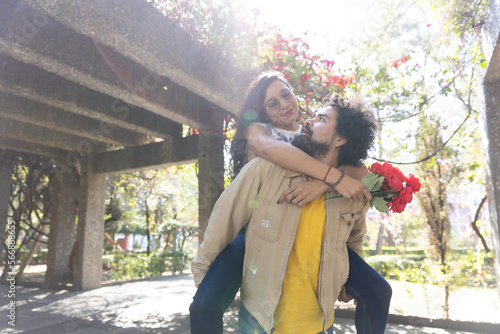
[(308, 122)]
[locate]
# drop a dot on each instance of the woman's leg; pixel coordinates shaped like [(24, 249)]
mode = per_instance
[(247, 324), (372, 292), (218, 288)]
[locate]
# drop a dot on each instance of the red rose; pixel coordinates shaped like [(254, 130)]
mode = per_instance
[(406, 194), (386, 169), (375, 168), (397, 205), (413, 183), (394, 182)]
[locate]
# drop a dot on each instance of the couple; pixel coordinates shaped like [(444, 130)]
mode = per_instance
[(294, 251)]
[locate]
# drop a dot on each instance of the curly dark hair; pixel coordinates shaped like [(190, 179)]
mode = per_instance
[(252, 111), (356, 124)]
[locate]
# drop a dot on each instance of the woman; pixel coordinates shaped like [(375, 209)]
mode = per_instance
[(268, 121)]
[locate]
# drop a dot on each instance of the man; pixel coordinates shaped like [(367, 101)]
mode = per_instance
[(295, 258)]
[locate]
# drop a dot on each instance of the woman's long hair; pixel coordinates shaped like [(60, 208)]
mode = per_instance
[(252, 111)]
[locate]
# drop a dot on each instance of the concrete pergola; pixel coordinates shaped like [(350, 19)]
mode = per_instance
[(89, 83), (489, 79)]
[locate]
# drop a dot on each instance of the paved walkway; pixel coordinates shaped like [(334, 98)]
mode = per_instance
[(155, 305)]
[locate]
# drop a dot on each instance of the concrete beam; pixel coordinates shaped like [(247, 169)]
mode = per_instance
[(31, 82), (156, 43), (87, 272), (39, 135), (30, 112), (172, 151), (81, 59), (22, 146)]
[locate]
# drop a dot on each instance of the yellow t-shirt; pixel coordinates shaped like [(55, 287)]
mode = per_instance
[(298, 309)]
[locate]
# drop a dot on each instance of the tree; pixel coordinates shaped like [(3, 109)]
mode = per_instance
[(312, 76), (155, 203), (437, 175), (29, 204)]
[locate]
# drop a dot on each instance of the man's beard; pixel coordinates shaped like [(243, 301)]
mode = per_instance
[(312, 147)]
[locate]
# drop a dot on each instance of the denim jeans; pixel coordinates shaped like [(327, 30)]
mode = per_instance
[(223, 279), (218, 289), (372, 292), (247, 324)]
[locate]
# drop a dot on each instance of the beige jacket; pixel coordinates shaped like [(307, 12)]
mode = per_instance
[(252, 199)]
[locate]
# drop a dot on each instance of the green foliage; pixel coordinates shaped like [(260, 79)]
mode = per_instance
[(38, 258), (29, 201), (473, 268), (162, 204), (108, 249), (461, 17), (176, 261), (129, 267), (466, 267), (139, 265), (392, 265), (417, 253), (437, 175), (156, 265), (225, 25)]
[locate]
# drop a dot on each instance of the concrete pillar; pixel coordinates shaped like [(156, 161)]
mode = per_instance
[(90, 228), (63, 195), (210, 172), (490, 121), (6, 167)]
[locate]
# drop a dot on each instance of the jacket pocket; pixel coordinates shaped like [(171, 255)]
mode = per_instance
[(347, 221), (267, 220)]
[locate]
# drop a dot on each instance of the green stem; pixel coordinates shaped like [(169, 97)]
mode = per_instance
[(381, 193)]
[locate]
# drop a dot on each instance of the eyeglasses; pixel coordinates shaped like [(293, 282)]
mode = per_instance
[(286, 96)]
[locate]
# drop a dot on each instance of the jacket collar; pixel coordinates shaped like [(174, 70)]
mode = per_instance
[(290, 173)]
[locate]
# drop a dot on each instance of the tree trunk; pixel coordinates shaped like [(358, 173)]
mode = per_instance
[(32, 251), (120, 249), (447, 301), (380, 240), (148, 236)]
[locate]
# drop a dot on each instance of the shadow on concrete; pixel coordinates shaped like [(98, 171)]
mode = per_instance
[(160, 305)]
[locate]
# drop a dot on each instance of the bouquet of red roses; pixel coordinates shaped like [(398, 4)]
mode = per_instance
[(390, 189)]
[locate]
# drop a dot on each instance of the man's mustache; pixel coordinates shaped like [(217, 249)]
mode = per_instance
[(307, 130)]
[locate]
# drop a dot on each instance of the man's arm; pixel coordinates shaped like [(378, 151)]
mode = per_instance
[(231, 213)]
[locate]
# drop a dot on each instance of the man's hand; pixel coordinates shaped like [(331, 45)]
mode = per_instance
[(345, 297), (353, 189), (303, 192)]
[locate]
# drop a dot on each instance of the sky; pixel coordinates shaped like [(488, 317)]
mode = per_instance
[(330, 25)]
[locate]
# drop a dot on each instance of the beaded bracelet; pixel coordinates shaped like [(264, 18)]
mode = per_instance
[(338, 181)]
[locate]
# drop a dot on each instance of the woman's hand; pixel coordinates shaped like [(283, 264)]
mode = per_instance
[(303, 192)]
